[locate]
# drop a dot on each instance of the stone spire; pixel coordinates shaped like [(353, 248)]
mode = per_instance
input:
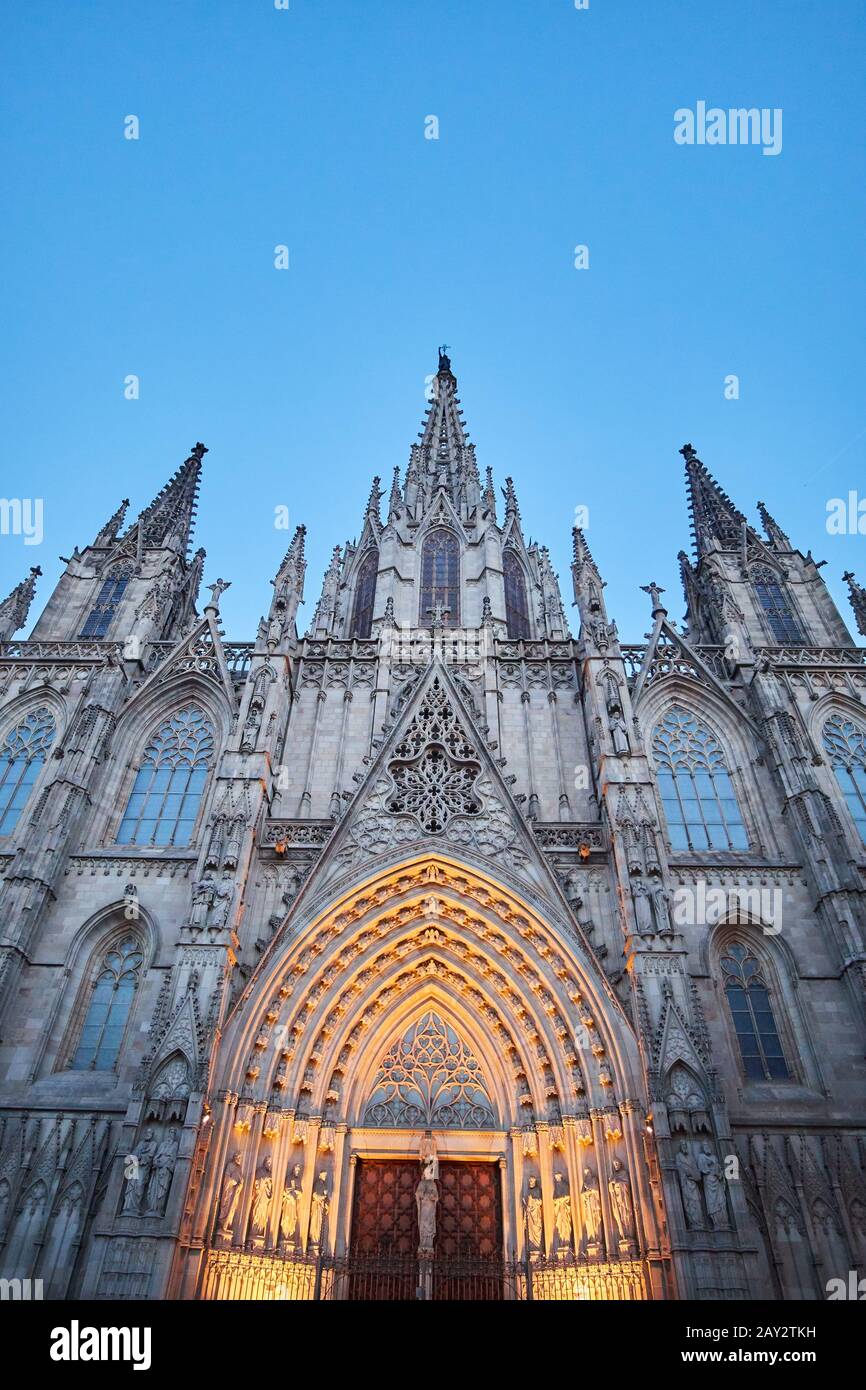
[(774, 533), (511, 505), (857, 595), (441, 460), (490, 495), (112, 527), (170, 518), (326, 608), (14, 609), (395, 501), (374, 500), (588, 583), (716, 522)]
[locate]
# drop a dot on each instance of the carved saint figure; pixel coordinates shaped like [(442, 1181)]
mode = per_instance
[(562, 1213), (620, 1200), (690, 1186), (532, 1210), (714, 1188), (161, 1174), (230, 1196), (137, 1181), (318, 1211), (643, 908), (426, 1197), (290, 1207), (590, 1202), (263, 1187), (619, 735)]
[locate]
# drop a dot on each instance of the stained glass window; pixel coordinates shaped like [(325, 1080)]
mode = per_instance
[(113, 988), (170, 782), (440, 579), (365, 595), (24, 750), (777, 609), (845, 744), (700, 806), (752, 1014), (516, 607), (101, 614)]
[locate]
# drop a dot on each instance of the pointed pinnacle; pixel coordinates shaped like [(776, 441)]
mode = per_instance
[(14, 608)]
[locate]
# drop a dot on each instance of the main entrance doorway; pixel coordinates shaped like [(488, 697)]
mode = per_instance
[(467, 1251)]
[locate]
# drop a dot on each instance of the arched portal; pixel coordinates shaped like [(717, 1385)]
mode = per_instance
[(429, 1013)]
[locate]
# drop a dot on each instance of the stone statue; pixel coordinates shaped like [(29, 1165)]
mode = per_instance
[(318, 1211), (426, 1197), (714, 1189), (643, 908), (290, 1206), (263, 1187), (659, 900), (202, 897), (620, 1200), (590, 1202), (690, 1187), (562, 1214), (619, 735), (533, 1214), (161, 1174), (137, 1182), (233, 1185)]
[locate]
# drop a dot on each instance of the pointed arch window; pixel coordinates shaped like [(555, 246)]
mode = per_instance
[(777, 610), (24, 750), (112, 990), (430, 1078), (752, 1014), (102, 613), (365, 595), (516, 606), (165, 799), (698, 797), (845, 745), (440, 578)]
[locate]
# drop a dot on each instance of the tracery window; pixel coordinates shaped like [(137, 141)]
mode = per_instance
[(434, 768), (700, 806), (845, 744), (113, 987), (777, 609), (516, 606), (102, 613), (430, 1079), (440, 579), (24, 750), (752, 1014), (170, 782), (365, 595)]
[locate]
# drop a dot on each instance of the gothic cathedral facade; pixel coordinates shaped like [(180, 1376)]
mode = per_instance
[(437, 943)]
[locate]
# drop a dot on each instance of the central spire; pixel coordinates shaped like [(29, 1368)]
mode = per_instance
[(444, 459)]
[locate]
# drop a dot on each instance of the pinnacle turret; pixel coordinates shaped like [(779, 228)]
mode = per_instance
[(857, 594), (395, 501), (14, 609), (774, 533), (112, 527)]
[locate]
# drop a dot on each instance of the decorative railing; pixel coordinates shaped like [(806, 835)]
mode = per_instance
[(293, 834), (812, 656), (83, 650), (241, 1275)]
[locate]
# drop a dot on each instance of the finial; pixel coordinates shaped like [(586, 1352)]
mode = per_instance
[(511, 507), (198, 451), (216, 592), (688, 452), (655, 592), (375, 497)]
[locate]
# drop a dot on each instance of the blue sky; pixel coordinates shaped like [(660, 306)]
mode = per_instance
[(306, 127)]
